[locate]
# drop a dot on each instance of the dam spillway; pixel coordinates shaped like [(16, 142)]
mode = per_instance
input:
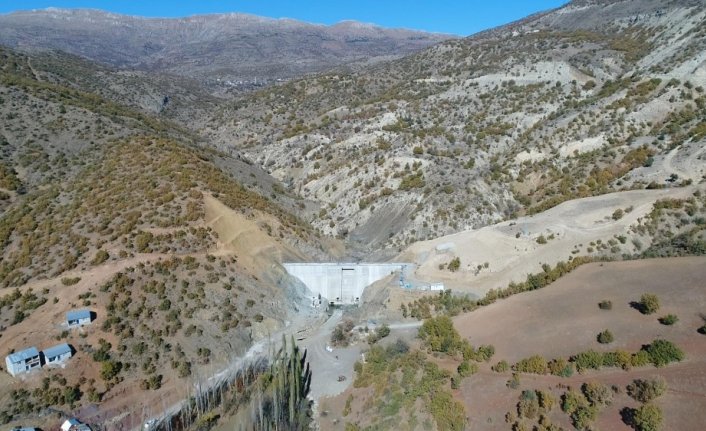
[(343, 283)]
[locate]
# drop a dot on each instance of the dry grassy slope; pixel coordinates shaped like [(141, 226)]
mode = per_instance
[(472, 131), (174, 97), (113, 209)]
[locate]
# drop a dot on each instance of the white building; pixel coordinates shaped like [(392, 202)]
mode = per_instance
[(78, 318), (74, 424), (57, 354), (23, 361)]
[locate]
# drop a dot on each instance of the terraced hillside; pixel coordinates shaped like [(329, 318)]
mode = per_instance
[(572, 103)]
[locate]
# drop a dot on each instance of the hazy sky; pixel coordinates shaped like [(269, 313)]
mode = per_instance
[(462, 17)]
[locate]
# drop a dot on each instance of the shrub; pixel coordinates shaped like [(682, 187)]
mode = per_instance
[(597, 394), (383, 331), (501, 366), (669, 319), (605, 337), (528, 406), (645, 391), (534, 364), (514, 381), (648, 418), (640, 359), (587, 360), (466, 369), (583, 416), (605, 305), (100, 257), (448, 413), (68, 281), (662, 352), (541, 239), (618, 214), (455, 264), (618, 358), (561, 367), (440, 335), (649, 303), (110, 369), (546, 400), (571, 401)]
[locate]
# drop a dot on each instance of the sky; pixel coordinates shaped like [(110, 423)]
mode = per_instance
[(460, 17)]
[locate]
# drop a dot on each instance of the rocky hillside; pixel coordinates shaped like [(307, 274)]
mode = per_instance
[(593, 97), (226, 51)]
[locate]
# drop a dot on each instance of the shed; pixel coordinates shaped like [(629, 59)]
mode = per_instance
[(69, 424), (57, 354), (78, 317), (23, 361)]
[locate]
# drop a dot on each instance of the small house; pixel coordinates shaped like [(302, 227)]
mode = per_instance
[(57, 354), (23, 361), (78, 318), (74, 424)]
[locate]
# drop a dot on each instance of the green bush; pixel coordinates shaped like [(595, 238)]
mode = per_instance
[(455, 264), (448, 413), (572, 400), (68, 281), (583, 416), (649, 303), (501, 366), (663, 352), (648, 418), (669, 319), (440, 335), (561, 367), (466, 369), (587, 360), (605, 305), (605, 337), (534, 364)]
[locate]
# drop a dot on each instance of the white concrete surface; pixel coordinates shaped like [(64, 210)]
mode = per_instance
[(342, 283)]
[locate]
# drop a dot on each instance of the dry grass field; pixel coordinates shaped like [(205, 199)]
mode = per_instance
[(564, 318)]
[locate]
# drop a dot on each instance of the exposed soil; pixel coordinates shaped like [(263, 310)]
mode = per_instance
[(511, 247)]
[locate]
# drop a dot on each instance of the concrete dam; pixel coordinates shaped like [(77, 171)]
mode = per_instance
[(343, 283)]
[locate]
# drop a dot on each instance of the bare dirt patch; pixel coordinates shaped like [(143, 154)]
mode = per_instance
[(511, 249)]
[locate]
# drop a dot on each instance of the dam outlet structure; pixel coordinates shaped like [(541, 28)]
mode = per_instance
[(343, 283)]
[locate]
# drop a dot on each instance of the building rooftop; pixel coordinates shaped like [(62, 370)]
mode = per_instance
[(78, 314), (23, 355), (57, 350)]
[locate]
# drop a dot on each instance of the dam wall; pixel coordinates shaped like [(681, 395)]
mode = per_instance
[(343, 283)]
